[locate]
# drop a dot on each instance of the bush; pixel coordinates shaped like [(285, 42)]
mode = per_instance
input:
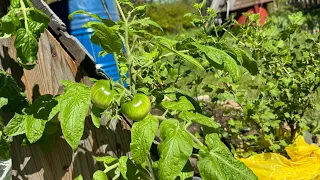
[(170, 16)]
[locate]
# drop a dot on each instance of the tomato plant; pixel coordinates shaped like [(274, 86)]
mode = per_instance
[(144, 61), (26, 23), (164, 76)]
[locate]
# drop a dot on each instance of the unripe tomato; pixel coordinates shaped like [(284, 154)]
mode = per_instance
[(102, 94), (138, 108)]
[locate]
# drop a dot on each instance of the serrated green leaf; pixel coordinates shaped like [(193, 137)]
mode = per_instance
[(249, 63), (231, 66), (28, 44), (222, 58), (100, 175), (34, 128), (199, 118), (85, 13), (106, 159), (96, 115), (146, 22), (74, 106), (174, 150), (214, 54), (190, 59), (142, 136), (37, 22), (127, 168), (39, 16), (217, 162), (16, 125), (37, 116), (182, 105), (106, 37), (36, 28), (56, 109)]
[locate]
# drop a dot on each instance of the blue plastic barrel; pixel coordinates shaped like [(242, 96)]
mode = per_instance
[(106, 63)]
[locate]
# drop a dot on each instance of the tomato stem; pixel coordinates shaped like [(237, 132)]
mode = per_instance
[(161, 118), (24, 11), (149, 165), (125, 89), (109, 168), (193, 137), (165, 113)]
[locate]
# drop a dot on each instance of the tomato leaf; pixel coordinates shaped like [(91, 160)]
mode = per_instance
[(37, 116), (16, 125), (28, 44), (145, 23), (10, 91), (142, 136), (74, 106), (106, 159), (182, 105), (174, 150), (199, 118), (222, 58), (127, 168), (83, 12), (96, 115), (212, 53), (217, 162), (100, 175), (249, 63), (106, 37), (34, 128), (190, 59)]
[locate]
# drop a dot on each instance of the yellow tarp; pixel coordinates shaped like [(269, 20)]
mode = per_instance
[(304, 163)]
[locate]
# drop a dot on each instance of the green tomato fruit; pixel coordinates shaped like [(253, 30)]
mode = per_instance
[(138, 108), (101, 94)]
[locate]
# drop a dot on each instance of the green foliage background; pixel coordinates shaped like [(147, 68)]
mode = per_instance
[(170, 15)]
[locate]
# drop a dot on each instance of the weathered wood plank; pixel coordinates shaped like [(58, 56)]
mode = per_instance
[(53, 65)]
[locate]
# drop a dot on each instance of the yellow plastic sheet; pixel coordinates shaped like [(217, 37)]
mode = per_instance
[(304, 163)]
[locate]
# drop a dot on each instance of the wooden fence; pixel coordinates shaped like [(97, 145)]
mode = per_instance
[(55, 64)]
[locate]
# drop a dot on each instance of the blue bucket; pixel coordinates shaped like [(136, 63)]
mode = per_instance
[(106, 63)]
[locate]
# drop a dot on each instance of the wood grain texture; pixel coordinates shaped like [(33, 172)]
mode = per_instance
[(53, 65)]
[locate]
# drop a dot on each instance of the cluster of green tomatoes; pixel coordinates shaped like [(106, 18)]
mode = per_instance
[(136, 108)]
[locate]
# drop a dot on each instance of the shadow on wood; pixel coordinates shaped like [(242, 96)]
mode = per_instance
[(55, 64)]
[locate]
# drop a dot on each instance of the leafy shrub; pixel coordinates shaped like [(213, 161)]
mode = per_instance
[(170, 15), (276, 101)]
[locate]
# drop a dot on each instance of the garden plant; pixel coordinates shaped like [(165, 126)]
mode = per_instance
[(272, 75)]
